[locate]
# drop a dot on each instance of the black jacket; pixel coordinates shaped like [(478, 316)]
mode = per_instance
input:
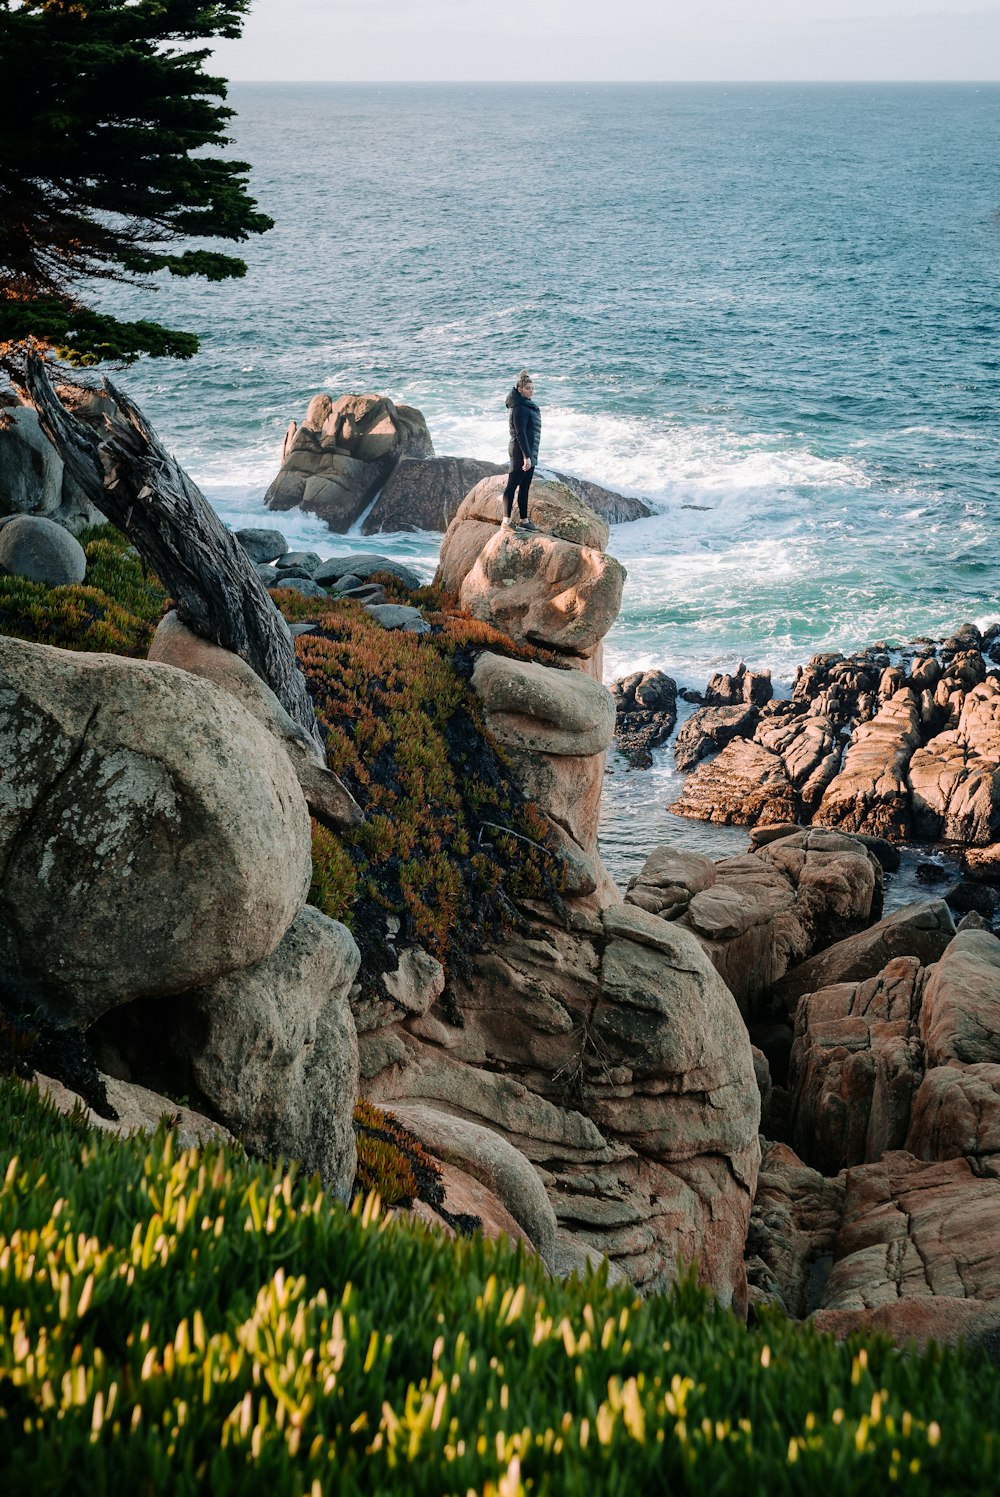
[(525, 424)]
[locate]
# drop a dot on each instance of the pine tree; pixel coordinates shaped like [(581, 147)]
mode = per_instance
[(108, 123)]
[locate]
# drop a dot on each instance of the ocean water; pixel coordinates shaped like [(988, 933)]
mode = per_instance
[(771, 310)]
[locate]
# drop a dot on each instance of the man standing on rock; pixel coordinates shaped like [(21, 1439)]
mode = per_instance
[(525, 435)]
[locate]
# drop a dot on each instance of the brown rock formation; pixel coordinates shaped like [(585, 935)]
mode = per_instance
[(614, 1059), (871, 792), (337, 460), (920, 930), (955, 780), (745, 785), (759, 914)]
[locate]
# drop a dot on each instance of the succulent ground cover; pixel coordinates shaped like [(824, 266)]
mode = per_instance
[(187, 1322)]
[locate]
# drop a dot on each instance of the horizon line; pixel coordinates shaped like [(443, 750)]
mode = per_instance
[(637, 82)]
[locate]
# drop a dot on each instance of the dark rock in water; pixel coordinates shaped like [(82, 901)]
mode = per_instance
[(42, 551), (686, 694), (363, 567), (304, 585), (931, 873), (425, 493), (972, 921), (646, 708), (611, 506), (744, 686), (262, 546), (745, 785), (967, 896), (710, 729), (299, 561)]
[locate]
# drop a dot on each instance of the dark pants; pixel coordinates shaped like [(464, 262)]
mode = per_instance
[(519, 479)]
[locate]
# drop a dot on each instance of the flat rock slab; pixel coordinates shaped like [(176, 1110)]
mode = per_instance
[(921, 930), (362, 567), (398, 616), (542, 709), (746, 784)]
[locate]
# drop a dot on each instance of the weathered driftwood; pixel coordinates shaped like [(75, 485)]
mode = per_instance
[(130, 477)]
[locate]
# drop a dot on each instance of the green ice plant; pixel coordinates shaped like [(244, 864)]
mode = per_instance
[(188, 1321)]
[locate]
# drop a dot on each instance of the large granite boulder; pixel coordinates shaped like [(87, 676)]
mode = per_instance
[(856, 1064), (559, 724), (33, 480), (41, 550), (554, 508), (544, 591), (613, 1058), (543, 709), (153, 836), (334, 464), (760, 914), (921, 930), (273, 1049), (326, 795)]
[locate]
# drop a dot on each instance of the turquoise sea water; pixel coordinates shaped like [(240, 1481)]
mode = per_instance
[(773, 311)]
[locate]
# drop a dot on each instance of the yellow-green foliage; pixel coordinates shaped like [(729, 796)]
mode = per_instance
[(189, 1323), (114, 611), (334, 878), (392, 1163)]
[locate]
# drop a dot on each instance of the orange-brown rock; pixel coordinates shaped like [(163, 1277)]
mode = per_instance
[(745, 784), (614, 1059), (913, 1230), (759, 914), (871, 792), (921, 930), (960, 1018), (955, 780), (957, 1112), (856, 1063)]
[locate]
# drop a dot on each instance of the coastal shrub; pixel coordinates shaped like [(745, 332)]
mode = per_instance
[(115, 610), (183, 1322), (448, 843)]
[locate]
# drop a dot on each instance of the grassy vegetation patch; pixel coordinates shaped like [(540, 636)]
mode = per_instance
[(405, 732), (190, 1322), (114, 612)]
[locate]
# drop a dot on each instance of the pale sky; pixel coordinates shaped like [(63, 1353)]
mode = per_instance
[(627, 40)]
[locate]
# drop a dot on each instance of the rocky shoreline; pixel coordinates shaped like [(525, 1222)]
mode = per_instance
[(740, 1063)]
